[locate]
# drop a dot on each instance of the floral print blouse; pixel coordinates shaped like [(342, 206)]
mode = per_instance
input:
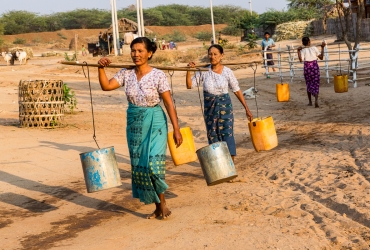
[(146, 92), (217, 84)]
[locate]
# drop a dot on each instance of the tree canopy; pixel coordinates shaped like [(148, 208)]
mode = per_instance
[(17, 22)]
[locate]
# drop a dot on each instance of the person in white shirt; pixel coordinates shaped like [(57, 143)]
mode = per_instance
[(218, 109), (309, 56)]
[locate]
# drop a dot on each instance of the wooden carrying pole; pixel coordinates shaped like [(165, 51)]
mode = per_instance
[(130, 66)]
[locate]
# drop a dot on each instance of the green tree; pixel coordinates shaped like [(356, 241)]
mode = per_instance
[(17, 22), (247, 21), (152, 17), (310, 9), (304, 4), (1, 32)]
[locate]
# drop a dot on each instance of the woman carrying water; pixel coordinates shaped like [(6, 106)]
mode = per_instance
[(218, 109), (146, 127), (309, 56)]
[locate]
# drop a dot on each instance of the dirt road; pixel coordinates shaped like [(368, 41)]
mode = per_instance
[(311, 192)]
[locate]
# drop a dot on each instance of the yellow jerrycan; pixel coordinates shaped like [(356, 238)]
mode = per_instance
[(282, 92), (263, 133), (341, 83), (186, 152)]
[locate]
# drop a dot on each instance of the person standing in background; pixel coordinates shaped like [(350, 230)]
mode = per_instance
[(267, 44)]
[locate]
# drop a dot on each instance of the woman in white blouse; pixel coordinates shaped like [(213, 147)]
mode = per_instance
[(146, 129), (309, 56), (218, 109)]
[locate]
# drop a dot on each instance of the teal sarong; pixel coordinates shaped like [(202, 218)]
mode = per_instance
[(147, 142)]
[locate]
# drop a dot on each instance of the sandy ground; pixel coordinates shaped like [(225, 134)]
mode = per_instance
[(311, 192)]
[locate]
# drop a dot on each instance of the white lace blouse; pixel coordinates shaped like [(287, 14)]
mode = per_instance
[(146, 92), (216, 84)]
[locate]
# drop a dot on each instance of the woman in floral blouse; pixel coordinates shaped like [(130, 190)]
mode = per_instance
[(146, 129), (218, 109)]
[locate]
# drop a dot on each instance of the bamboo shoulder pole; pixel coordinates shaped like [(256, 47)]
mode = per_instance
[(130, 66), (229, 64)]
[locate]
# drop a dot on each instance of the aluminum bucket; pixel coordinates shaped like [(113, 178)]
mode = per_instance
[(216, 163), (100, 169)]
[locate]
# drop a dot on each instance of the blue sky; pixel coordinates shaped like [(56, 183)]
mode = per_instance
[(51, 6)]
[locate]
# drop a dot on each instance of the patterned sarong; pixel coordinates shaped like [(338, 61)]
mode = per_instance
[(312, 77), (269, 57), (147, 143), (218, 113)]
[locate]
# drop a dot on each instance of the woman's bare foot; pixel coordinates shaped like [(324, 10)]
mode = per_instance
[(316, 105), (309, 104), (154, 215), (165, 211), (157, 212)]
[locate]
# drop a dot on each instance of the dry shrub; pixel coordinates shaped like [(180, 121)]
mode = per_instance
[(165, 57), (191, 55)]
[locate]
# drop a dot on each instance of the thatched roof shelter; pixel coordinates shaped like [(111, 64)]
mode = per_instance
[(126, 25)]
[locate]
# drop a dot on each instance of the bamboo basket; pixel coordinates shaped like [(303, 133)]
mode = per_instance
[(41, 103)]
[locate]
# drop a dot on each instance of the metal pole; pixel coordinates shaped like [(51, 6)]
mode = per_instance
[(213, 25), (250, 6), (266, 65), (326, 53), (113, 28), (138, 18), (279, 64), (142, 18), (116, 27)]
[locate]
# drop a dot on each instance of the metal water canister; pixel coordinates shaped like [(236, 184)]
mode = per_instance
[(263, 133), (341, 83), (186, 152), (217, 164), (282, 92), (100, 169)]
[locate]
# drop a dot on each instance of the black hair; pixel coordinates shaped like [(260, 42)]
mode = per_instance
[(267, 33), (219, 47), (149, 45), (305, 40)]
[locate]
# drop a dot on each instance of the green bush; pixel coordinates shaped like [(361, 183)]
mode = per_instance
[(203, 36), (37, 40), (70, 59), (176, 36), (19, 41), (231, 31), (62, 36), (70, 99)]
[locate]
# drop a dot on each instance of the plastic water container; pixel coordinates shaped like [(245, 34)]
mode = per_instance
[(341, 83), (186, 152), (263, 133), (282, 92)]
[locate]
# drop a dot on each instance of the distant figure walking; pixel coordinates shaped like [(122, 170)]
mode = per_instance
[(309, 56), (128, 37), (83, 51), (267, 44)]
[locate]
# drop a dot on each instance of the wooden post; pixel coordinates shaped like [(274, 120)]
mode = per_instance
[(76, 37)]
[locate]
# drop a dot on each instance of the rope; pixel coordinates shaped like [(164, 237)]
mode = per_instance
[(340, 63), (91, 101), (171, 73), (254, 66), (200, 98)]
